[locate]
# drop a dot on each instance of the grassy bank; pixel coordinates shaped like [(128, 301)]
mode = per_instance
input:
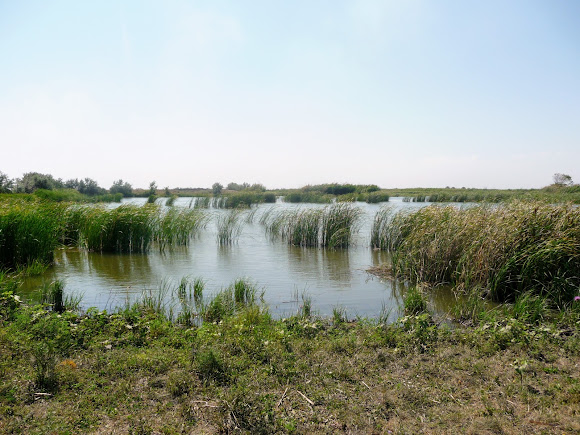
[(136, 371), (507, 251), (550, 194)]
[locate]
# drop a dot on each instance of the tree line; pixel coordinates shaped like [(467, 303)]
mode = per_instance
[(33, 181)]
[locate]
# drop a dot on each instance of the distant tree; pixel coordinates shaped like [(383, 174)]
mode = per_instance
[(217, 189), (90, 187), (562, 179), (35, 180), (122, 187), (152, 188), (167, 192), (257, 187), (73, 183), (6, 183)]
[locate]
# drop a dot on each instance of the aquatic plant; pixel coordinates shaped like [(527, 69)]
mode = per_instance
[(229, 227), (238, 296), (338, 224), (29, 232), (329, 227), (507, 250)]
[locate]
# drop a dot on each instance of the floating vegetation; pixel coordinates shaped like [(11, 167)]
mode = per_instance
[(229, 227), (508, 251)]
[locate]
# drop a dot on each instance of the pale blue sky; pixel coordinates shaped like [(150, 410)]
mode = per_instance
[(286, 93)]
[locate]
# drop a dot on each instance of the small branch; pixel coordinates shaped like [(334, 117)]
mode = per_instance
[(282, 398), (306, 398)]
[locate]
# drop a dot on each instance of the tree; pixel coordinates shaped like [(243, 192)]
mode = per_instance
[(6, 183), (73, 183), (90, 187), (152, 188), (35, 180), (217, 189), (562, 179), (122, 187)]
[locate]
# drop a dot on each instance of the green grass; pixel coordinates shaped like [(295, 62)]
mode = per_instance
[(136, 371)]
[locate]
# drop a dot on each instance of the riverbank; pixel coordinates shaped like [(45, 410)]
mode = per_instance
[(135, 371)]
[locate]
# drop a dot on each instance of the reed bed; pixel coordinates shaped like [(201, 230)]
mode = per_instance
[(178, 225), (338, 224), (229, 227), (126, 228), (329, 227), (242, 199), (309, 197), (29, 232), (506, 251)]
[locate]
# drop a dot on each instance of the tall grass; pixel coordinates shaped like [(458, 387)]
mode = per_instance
[(310, 197), (241, 294), (330, 227), (338, 224), (229, 227), (178, 225), (29, 232), (507, 250)]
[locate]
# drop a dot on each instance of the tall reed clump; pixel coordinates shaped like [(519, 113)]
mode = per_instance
[(329, 227), (302, 227), (178, 225), (338, 224), (507, 250), (127, 228), (130, 228), (29, 232), (229, 227)]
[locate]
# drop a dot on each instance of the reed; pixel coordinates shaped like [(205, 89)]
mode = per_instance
[(506, 251), (309, 197), (29, 232), (338, 224), (329, 227), (229, 227), (171, 200), (177, 226), (235, 298), (302, 227), (124, 229)]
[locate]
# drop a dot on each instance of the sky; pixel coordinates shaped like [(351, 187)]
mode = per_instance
[(406, 93)]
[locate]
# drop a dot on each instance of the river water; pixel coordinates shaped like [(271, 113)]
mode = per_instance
[(330, 278)]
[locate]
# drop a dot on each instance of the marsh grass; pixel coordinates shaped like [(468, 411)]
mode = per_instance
[(29, 232), (177, 226), (414, 301), (329, 227), (338, 224), (171, 200), (506, 251), (229, 227), (240, 295)]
